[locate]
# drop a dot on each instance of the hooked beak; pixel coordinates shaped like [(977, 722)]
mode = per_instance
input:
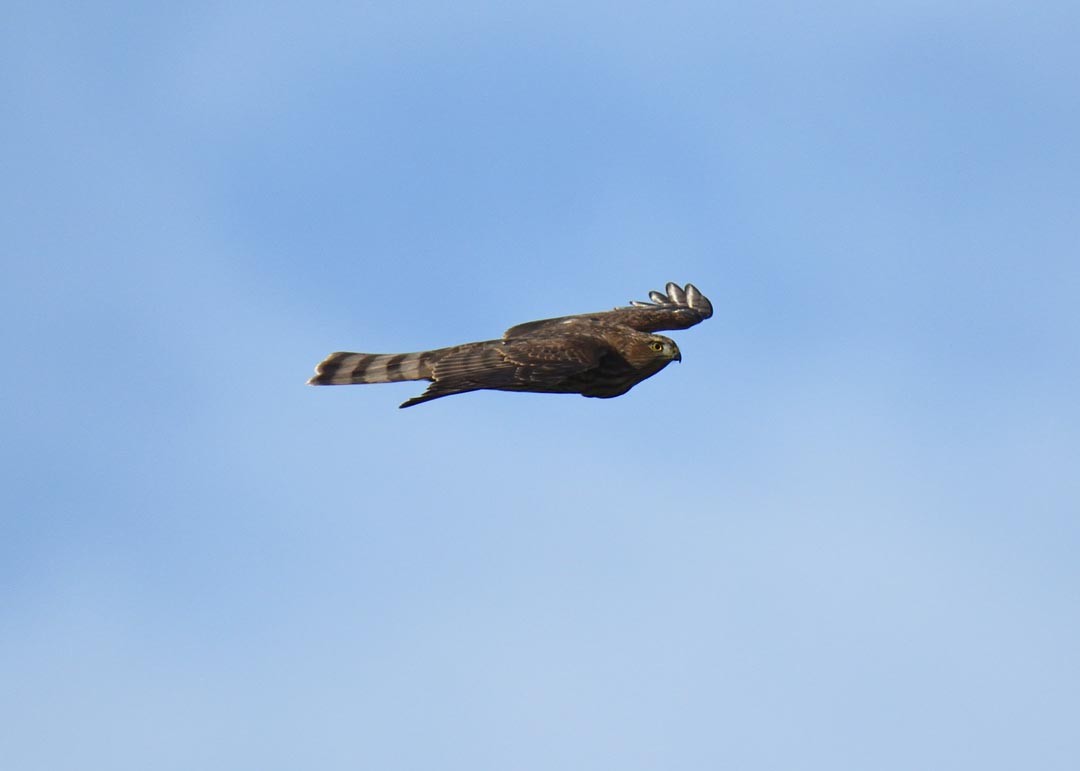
[(678, 356)]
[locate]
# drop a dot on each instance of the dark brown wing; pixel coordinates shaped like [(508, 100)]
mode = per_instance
[(500, 362), (678, 309), (528, 364)]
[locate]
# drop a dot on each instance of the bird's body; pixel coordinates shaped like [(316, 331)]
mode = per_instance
[(601, 354)]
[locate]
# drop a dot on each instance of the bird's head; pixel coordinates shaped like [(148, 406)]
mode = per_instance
[(656, 351)]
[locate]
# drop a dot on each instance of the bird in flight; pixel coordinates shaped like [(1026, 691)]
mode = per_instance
[(601, 354)]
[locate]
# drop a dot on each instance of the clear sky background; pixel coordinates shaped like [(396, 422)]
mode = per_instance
[(842, 534)]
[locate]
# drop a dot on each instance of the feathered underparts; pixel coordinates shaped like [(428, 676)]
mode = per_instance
[(602, 354)]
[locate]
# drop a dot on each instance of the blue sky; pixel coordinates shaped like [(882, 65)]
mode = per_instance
[(842, 534)]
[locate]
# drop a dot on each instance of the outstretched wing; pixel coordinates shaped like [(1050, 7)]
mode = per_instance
[(511, 365), (503, 362), (678, 309)]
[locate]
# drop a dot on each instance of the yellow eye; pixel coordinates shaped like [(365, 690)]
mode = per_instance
[(657, 346)]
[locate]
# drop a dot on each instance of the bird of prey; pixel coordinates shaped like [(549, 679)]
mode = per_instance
[(601, 354)]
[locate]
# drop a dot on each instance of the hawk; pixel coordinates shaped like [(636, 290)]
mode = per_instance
[(602, 354)]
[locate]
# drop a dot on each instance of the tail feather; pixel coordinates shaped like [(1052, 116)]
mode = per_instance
[(346, 368)]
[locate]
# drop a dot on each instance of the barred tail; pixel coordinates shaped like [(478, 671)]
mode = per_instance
[(344, 368)]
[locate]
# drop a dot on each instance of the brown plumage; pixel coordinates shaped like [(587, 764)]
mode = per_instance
[(602, 354)]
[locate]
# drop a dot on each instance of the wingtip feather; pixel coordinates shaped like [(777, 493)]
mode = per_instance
[(675, 293), (699, 302)]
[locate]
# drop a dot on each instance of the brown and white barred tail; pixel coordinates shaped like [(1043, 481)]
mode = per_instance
[(346, 368)]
